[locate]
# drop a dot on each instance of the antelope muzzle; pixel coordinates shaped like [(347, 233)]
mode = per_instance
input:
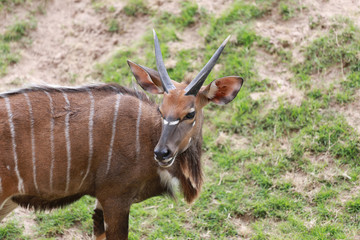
[(164, 156), (165, 151)]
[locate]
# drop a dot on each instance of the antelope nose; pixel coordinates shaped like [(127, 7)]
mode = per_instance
[(162, 153)]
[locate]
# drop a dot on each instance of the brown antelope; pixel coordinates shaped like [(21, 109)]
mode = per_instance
[(106, 141)]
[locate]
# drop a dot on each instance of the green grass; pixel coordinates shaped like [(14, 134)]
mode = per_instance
[(282, 53), (13, 33), (56, 222), (136, 8), (229, 21), (9, 4), (353, 205), (6, 57), (338, 47), (113, 26), (331, 135), (12, 230), (286, 11), (188, 15), (18, 30)]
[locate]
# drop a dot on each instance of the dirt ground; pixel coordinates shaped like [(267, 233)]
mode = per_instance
[(71, 37)]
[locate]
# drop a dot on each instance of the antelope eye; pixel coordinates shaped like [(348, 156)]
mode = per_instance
[(190, 115)]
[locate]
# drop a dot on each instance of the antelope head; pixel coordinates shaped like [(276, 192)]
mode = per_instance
[(181, 108)]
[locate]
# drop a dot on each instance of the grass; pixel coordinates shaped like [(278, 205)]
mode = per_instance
[(136, 8), (284, 171), (113, 26), (12, 230), (13, 33), (353, 205), (18, 30), (6, 57), (78, 214), (282, 53), (339, 47), (9, 4)]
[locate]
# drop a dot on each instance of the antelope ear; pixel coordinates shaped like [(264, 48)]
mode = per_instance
[(147, 78), (223, 90)]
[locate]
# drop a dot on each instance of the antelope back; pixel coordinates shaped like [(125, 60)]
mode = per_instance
[(56, 140)]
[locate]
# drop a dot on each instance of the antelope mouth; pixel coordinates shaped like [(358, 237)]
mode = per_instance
[(166, 162)]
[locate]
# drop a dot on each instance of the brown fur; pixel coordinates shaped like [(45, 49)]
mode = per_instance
[(38, 203), (191, 173), (98, 219), (131, 178)]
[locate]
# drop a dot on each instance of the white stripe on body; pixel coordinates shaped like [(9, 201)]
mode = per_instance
[(113, 131), (21, 188), (91, 124), (52, 145), (137, 130), (68, 143), (32, 140)]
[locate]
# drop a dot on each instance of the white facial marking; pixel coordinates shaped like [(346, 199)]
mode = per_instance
[(8, 167), (167, 180), (192, 110), (91, 124), (193, 123), (116, 109), (137, 131), (21, 188), (32, 140), (68, 143), (166, 122), (174, 122), (52, 145)]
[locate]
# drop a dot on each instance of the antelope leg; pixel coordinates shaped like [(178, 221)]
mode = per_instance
[(116, 216), (98, 218)]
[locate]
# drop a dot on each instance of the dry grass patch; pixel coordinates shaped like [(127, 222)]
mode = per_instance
[(328, 78), (351, 111), (70, 37), (234, 141), (302, 183), (172, 6), (188, 39), (243, 226), (278, 75)]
